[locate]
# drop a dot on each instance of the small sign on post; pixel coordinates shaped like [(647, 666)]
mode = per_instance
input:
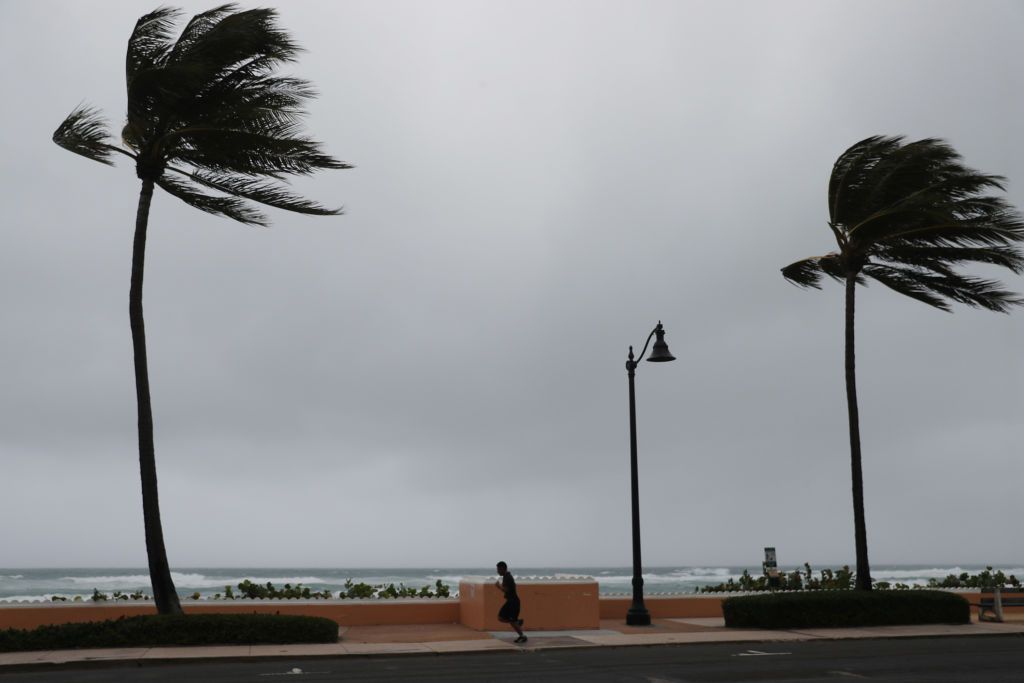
[(771, 568)]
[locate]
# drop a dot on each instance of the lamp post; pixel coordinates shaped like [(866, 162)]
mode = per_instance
[(638, 614)]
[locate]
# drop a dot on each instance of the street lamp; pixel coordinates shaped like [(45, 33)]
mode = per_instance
[(638, 614)]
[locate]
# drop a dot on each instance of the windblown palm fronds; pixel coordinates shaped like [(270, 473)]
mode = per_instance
[(906, 215), (207, 112)]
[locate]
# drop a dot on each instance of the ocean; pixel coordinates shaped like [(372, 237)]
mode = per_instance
[(42, 584)]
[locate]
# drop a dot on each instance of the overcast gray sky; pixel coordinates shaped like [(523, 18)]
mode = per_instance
[(437, 377)]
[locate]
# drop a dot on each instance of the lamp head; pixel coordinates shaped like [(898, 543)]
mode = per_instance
[(660, 352)]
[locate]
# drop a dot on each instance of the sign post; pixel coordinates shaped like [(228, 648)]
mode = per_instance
[(771, 568)]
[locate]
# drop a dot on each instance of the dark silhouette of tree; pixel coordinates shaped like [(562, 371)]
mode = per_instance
[(906, 215), (211, 123)]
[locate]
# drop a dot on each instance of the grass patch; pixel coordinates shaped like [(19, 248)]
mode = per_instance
[(845, 608), (191, 629)]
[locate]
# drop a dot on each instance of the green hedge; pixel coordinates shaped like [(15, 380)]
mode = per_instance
[(191, 629), (845, 608)]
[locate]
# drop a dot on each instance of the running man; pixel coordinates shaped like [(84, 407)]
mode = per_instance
[(509, 612)]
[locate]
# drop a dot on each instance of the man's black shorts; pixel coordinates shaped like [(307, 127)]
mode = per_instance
[(509, 611)]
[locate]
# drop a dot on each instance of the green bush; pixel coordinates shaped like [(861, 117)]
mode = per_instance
[(985, 579), (845, 608), (844, 578), (190, 629), (248, 589), (255, 591), (828, 579)]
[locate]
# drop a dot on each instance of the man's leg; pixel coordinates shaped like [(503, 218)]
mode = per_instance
[(517, 624)]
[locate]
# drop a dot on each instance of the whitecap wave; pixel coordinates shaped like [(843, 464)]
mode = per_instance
[(446, 578), (45, 597), (12, 576), (921, 576), (182, 580), (673, 578), (120, 580), (220, 581)]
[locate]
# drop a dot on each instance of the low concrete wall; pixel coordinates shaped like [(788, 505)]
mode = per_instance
[(662, 607), (547, 604)]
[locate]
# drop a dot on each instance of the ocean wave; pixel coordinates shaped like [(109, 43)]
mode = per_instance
[(126, 579), (450, 579), (922, 575), (188, 580), (45, 597), (12, 576), (704, 573), (672, 578)]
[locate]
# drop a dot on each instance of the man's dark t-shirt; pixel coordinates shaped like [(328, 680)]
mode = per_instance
[(509, 612), (508, 585)]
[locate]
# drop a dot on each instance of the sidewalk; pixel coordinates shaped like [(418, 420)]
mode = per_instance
[(432, 639)]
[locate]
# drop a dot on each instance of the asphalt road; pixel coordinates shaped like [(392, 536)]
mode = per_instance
[(974, 659)]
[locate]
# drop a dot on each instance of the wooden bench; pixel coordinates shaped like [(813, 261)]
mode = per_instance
[(1001, 597)]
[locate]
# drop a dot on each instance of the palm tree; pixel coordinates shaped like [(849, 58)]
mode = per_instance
[(906, 214), (206, 111)]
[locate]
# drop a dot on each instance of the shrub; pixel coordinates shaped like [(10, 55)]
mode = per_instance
[(828, 579), (248, 589), (268, 591), (189, 629), (984, 579), (844, 578), (845, 608)]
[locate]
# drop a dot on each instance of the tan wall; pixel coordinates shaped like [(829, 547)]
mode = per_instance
[(551, 606), (556, 605), (665, 607)]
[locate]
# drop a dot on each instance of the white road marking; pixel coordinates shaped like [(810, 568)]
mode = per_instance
[(845, 674), (296, 672), (758, 653)]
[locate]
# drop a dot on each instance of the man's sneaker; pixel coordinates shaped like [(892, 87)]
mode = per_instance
[(520, 639)]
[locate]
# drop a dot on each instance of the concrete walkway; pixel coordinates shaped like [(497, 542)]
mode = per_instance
[(430, 639)]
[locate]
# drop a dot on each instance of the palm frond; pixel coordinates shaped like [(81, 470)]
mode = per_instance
[(150, 42), (971, 291), (975, 292), (931, 256), (225, 150), (231, 207), (851, 177), (1005, 229), (906, 284), (805, 272), (228, 37), (254, 104), (953, 199), (260, 191), (85, 132), (196, 27)]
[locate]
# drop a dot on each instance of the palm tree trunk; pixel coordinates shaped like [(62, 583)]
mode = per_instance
[(859, 527), (164, 593)]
